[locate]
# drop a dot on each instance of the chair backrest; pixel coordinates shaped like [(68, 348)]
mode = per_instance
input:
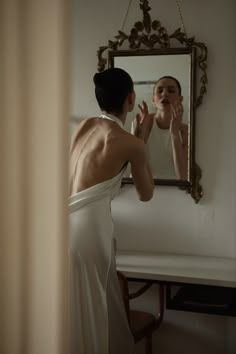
[(127, 296), (124, 292)]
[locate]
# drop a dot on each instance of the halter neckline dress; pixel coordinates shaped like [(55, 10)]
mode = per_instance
[(98, 322)]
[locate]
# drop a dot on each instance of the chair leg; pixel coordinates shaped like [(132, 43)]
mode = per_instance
[(148, 344)]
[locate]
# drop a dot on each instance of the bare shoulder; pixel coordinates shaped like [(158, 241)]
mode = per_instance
[(81, 126), (132, 146), (131, 140), (83, 122)]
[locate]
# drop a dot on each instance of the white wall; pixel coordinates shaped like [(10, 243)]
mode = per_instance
[(172, 222)]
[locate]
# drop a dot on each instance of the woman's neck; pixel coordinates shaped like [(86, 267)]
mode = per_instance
[(163, 119), (121, 117)]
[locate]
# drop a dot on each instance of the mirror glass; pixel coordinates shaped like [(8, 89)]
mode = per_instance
[(146, 69)]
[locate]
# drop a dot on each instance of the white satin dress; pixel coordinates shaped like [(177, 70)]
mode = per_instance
[(98, 319)]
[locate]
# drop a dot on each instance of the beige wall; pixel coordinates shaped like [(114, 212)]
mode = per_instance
[(172, 222)]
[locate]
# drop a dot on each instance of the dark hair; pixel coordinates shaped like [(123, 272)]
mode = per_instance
[(112, 86), (169, 77)]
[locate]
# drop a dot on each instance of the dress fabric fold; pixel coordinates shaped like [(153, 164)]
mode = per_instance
[(98, 322)]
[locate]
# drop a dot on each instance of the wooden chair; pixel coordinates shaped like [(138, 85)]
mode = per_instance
[(142, 324)]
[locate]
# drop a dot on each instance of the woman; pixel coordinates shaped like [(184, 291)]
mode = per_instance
[(168, 143), (100, 151)]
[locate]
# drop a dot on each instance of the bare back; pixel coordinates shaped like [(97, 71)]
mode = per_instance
[(97, 153), (99, 150)]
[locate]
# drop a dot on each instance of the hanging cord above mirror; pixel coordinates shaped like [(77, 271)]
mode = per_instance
[(181, 17), (126, 15), (179, 12)]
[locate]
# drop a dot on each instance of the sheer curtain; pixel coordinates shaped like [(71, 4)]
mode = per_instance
[(34, 113)]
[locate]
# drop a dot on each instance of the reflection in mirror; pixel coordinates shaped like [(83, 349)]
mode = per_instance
[(163, 81), (151, 53)]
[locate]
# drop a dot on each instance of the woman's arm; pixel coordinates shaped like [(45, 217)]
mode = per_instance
[(143, 123), (180, 157), (140, 168), (179, 140), (141, 171)]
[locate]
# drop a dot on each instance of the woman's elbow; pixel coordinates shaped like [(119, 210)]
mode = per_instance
[(145, 197)]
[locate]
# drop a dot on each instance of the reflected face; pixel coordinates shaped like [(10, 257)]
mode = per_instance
[(166, 92)]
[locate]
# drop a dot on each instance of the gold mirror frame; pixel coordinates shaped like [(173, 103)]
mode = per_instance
[(150, 35)]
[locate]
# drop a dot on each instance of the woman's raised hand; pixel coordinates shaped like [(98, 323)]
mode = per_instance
[(176, 119), (144, 122)]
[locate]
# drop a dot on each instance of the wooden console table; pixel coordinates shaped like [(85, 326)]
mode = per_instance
[(193, 283)]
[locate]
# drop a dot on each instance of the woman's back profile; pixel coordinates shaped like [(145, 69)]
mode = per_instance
[(100, 150), (96, 153)]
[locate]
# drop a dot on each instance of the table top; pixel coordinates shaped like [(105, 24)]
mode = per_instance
[(205, 270)]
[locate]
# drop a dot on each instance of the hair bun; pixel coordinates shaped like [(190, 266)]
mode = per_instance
[(97, 79)]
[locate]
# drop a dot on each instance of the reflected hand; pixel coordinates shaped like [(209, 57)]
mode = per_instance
[(144, 122), (176, 119)]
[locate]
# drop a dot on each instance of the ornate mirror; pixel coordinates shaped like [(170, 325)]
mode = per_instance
[(158, 62)]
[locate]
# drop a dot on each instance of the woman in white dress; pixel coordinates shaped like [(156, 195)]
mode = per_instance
[(100, 151), (168, 141)]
